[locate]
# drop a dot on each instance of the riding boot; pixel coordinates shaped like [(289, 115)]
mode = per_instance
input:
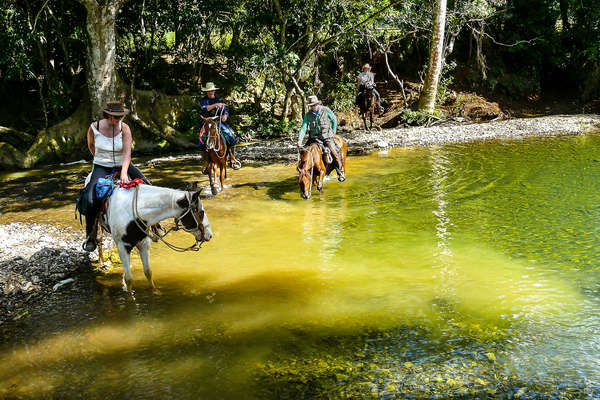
[(233, 162), (379, 107), (91, 230)]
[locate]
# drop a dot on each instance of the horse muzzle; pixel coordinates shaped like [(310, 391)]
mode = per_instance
[(204, 235), (306, 195)]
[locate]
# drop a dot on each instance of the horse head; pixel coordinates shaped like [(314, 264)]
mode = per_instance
[(305, 169), (193, 218), (212, 132)]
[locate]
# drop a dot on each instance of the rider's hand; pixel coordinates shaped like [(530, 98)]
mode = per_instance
[(124, 178)]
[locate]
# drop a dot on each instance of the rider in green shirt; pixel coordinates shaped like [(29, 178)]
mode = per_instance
[(321, 124)]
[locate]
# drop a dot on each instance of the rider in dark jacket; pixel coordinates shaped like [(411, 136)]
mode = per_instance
[(213, 106)]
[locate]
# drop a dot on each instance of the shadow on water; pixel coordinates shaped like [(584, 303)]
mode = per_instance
[(28, 193), (275, 189)]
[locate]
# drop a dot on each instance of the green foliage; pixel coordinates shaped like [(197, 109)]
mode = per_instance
[(344, 96), (264, 125), (417, 117)]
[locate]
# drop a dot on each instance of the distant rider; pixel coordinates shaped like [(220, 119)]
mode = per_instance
[(211, 107), (321, 124), (365, 79)]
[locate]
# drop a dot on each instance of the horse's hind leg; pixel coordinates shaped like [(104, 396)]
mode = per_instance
[(125, 255), (144, 248)]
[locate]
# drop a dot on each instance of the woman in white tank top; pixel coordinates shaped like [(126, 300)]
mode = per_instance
[(109, 141)]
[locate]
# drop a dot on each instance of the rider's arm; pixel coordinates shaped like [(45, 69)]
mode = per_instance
[(302, 130), (126, 152), (333, 119), (90, 141)]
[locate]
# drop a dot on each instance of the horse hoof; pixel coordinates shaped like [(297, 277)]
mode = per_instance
[(214, 191)]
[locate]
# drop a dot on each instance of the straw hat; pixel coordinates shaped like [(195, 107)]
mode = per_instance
[(367, 66), (210, 86), (115, 108), (312, 100)]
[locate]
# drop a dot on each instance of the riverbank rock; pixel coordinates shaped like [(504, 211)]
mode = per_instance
[(23, 282), (10, 157)]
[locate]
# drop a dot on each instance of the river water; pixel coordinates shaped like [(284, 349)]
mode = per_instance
[(458, 271)]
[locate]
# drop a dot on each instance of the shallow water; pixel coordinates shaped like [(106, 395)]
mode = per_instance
[(458, 270)]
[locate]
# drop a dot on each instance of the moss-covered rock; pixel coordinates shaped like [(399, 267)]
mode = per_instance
[(65, 141), (10, 157)]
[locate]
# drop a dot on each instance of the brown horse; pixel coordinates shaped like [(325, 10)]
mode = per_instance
[(313, 168), (368, 106), (216, 147)]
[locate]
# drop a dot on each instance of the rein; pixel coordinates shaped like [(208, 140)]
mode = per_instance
[(146, 229)]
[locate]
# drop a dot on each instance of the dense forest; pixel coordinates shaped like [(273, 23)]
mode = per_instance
[(61, 60)]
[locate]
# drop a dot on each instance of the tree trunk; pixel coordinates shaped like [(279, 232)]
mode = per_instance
[(564, 14), (434, 69), (101, 52)]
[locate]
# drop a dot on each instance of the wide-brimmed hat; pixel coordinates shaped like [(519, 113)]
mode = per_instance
[(312, 100), (116, 108), (210, 86), (366, 66)]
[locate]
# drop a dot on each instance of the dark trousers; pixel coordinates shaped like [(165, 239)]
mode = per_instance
[(333, 148), (98, 171)]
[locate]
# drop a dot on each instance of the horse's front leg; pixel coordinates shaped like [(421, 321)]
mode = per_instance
[(371, 120), (365, 122), (222, 169), (125, 256), (212, 177), (320, 177), (144, 248)]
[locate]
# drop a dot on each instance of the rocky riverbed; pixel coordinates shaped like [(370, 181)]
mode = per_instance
[(39, 262)]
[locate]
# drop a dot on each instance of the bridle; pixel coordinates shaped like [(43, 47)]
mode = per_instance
[(190, 209)]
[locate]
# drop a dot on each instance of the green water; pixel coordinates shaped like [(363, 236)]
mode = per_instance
[(456, 271)]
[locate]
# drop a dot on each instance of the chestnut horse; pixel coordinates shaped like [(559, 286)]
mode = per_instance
[(313, 169), (367, 106), (217, 150)]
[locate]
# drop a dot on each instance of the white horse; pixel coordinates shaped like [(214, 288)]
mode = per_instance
[(131, 213)]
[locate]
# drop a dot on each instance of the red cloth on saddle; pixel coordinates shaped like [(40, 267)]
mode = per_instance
[(133, 183), (202, 133)]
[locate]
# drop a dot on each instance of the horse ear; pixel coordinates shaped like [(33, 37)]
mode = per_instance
[(194, 187), (203, 117), (195, 196)]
